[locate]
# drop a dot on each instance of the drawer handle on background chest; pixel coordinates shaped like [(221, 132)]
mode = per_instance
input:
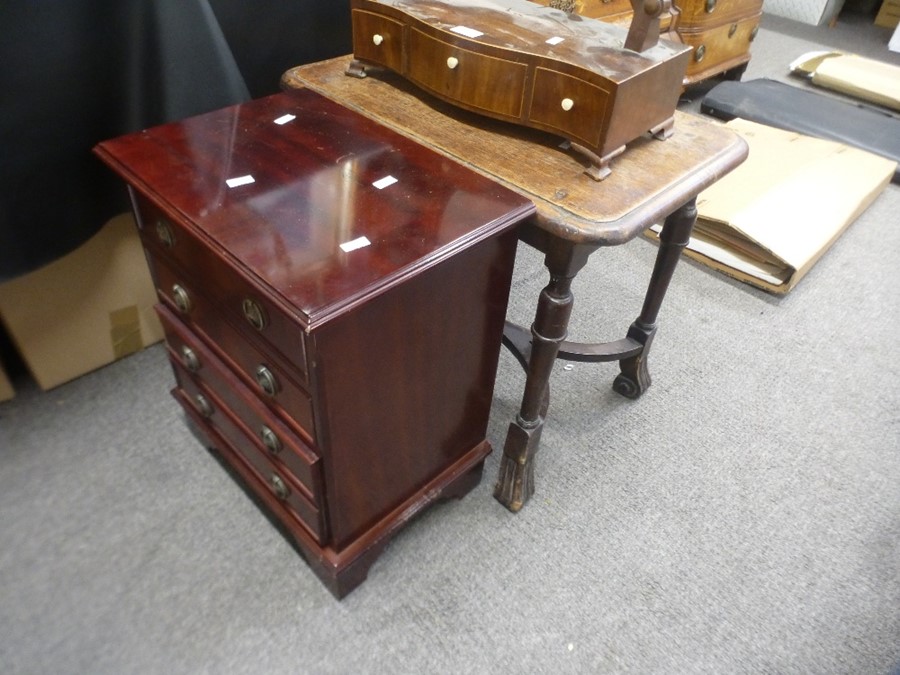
[(164, 232), (266, 380), (452, 62), (567, 104), (189, 359), (377, 40), (255, 314), (181, 298), (270, 439), (279, 487), (204, 407)]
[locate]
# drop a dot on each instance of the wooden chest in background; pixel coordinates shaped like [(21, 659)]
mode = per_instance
[(333, 297), (719, 32)]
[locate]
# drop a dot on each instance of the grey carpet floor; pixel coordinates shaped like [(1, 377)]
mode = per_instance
[(742, 517)]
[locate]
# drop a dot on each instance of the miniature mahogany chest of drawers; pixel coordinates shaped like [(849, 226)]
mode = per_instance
[(333, 297)]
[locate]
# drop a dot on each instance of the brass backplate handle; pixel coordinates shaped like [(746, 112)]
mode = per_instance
[(254, 313)]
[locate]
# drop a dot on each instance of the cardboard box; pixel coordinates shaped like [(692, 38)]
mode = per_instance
[(767, 222), (6, 388), (85, 310), (857, 76), (889, 14)]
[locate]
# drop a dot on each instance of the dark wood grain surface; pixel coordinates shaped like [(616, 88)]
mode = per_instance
[(649, 181), (313, 191), (531, 65)]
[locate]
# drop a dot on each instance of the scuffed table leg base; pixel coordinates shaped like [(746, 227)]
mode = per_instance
[(515, 481), (634, 379)]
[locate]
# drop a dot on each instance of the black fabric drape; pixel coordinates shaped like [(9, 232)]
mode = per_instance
[(75, 73), (269, 36)]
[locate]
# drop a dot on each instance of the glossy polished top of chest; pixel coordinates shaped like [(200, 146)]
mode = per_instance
[(320, 203)]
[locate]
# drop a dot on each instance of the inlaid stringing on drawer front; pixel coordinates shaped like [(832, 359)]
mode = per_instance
[(466, 76), (204, 403), (286, 397), (237, 297), (270, 435), (573, 106), (378, 38)]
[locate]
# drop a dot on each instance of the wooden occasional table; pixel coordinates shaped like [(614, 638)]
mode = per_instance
[(652, 181)]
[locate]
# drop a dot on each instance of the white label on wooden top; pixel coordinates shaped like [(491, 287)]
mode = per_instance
[(555, 40), (382, 183), (284, 119), (468, 32), (359, 242), (239, 180)]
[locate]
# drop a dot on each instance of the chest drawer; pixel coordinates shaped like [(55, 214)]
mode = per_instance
[(207, 409), (601, 9), (476, 80), (378, 39), (699, 14), (719, 48), (270, 434), (574, 107), (263, 374), (235, 296)]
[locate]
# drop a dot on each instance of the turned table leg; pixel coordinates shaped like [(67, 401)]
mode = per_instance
[(635, 377), (515, 482)]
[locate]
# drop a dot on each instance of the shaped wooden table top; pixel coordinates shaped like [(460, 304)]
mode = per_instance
[(649, 180)]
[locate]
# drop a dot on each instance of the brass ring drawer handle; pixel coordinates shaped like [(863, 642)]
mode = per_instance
[(181, 298), (266, 380), (164, 233), (189, 359), (279, 487), (255, 314), (204, 407), (270, 439)]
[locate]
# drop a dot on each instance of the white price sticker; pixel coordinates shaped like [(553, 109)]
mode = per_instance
[(240, 180), (466, 31), (382, 183), (359, 242)]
